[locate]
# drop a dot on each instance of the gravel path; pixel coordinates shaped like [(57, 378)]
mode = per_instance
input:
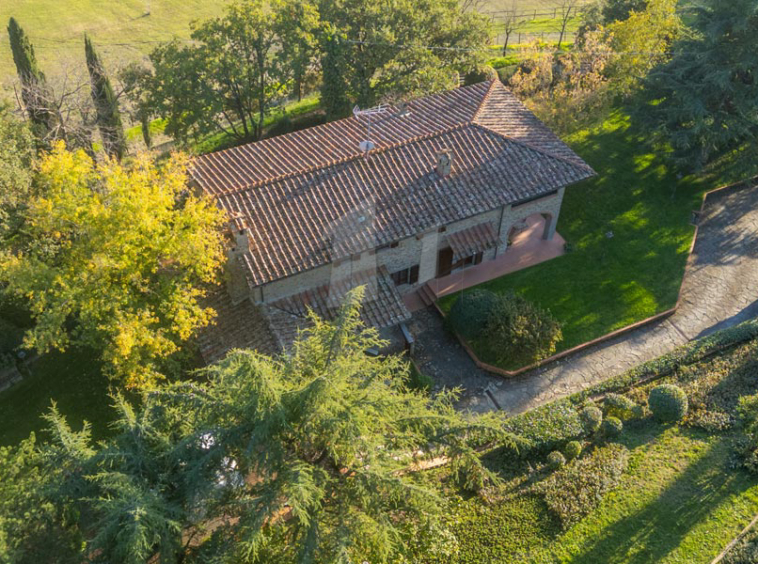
[(720, 289)]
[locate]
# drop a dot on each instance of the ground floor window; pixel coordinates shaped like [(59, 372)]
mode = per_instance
[(405, 276)]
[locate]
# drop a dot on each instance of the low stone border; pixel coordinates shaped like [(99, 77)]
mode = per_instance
[(658, 317)]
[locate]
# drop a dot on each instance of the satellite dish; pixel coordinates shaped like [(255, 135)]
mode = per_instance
[(366, 146)]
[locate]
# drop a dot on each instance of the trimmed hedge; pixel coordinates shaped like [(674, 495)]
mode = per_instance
[(668, 403), (616, 405), (611, 427), (546, 428), (470, 312), (592, 418), (556, 460), (572, 450), (575, 490)]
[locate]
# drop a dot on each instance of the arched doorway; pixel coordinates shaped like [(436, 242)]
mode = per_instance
[(533, 227)]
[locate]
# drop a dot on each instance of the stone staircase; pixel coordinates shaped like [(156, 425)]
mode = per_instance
[(427, 295)]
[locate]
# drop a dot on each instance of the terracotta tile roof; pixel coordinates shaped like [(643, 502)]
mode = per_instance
[(237, 326), (475, 239), (382, 304), (311, 197)]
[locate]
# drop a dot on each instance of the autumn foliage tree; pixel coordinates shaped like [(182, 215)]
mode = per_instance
[(114, 257)]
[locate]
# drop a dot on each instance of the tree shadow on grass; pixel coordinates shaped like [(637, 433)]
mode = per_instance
[(654, 531)]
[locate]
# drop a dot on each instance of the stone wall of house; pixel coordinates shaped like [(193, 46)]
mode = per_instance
[(419, 250)]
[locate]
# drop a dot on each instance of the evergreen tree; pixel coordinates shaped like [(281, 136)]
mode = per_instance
[(106, 104), (34, 92), (704, 101), (620, 10), (302, 458), (334, 86)]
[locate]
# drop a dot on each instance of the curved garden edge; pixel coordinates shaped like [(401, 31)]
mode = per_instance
[(613, 334)]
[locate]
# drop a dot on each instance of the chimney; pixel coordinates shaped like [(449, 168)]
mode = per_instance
[(239, 235), (444, 162)]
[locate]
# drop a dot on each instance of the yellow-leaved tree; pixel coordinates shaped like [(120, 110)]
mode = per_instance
[(115, 257)]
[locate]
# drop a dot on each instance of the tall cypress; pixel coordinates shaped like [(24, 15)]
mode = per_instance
[(34, 89), (106, 104), (334, 86)]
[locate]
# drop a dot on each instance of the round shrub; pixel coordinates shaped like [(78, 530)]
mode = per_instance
[(611, 427), (572, 450), (471, 311), (668, 403), (591, 418), (555, 460), (519, 332), (620, 406)]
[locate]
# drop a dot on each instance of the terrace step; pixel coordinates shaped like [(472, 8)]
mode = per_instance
[(427, 295)]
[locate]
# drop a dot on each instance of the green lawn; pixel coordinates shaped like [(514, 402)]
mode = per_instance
[(73, 380), (606, 283), (121, 29), (681, 502)]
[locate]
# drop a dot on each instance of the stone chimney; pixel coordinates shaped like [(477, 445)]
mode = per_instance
[(240, 236), (444, 162), (236, 279)]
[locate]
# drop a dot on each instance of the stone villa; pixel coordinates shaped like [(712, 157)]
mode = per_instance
[(391, 200)]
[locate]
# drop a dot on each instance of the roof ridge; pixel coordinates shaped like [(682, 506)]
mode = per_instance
[(484, 99), (582, 165), (321, 166)]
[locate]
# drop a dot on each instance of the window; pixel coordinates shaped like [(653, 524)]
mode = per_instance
[(405, 276)]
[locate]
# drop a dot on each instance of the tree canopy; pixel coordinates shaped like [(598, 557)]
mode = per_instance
[(704, 101), (114, 257), (301, 458), (17, 153)]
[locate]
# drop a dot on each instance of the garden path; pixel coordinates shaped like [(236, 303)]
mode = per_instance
[(720, 289)]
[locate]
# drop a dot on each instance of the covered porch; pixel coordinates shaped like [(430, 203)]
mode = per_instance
[(526, 247)]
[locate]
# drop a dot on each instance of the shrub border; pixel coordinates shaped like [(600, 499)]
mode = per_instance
[(608, 336)]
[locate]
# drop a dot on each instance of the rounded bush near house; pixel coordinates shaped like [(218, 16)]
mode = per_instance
[(555, 460), (572, 450), (668, 403), (612, 427), (471, 312), (591, 418)]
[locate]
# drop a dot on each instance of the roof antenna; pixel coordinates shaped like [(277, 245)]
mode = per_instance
[(386, 112), (367, 145)]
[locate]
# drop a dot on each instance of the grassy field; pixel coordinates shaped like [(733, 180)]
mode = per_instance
[(122, 29), (630, 234)]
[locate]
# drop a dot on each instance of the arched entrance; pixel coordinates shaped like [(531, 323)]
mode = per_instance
[(535, 226)]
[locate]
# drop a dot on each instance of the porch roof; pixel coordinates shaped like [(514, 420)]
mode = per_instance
[(473, 240)]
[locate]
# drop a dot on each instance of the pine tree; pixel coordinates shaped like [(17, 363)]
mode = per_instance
[(34, 89), (106, 104), (704, 101)]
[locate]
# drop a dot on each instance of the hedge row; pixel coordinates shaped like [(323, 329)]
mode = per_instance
[(689, 353), (550, 427)]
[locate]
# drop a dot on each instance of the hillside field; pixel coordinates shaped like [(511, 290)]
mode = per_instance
[(122, 29)]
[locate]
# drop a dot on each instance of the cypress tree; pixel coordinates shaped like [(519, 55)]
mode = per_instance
[(33, 85), (106, 104), (334, 86)]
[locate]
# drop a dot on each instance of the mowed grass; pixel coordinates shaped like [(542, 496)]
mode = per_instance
[(73, 380), (630, 233), (681, 502), (121, 30)]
